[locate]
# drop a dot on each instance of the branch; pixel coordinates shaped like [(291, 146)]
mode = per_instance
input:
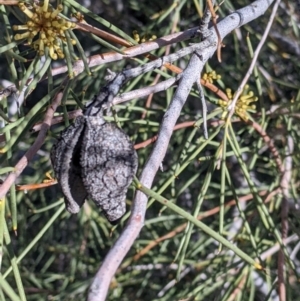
[(100, 284)]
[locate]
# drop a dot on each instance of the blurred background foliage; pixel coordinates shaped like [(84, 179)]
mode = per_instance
[(58, 254)]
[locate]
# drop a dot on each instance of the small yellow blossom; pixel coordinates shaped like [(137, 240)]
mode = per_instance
[(144, 38), (79, 16), (44, 29), (244, 103), (211, 76)]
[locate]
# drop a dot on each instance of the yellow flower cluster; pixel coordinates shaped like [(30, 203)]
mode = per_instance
[(45, 28), (211, 76), (243, 103)]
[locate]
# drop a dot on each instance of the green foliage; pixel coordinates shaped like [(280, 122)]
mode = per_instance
[(229, 182)]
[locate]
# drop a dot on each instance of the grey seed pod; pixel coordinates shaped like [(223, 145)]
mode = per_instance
[(108, 162), (65, 158)]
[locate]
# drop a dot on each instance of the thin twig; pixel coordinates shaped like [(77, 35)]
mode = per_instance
[(285, 180), (104, 58), (204, 109), (269, 143), (239, 91), (9, 2), (214, 20), (23, 162)]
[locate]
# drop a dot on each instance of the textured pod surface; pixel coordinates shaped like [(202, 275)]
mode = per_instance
[(65, 158), (108, 162)]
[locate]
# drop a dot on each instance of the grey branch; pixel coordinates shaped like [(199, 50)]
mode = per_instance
[(100, 285)]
